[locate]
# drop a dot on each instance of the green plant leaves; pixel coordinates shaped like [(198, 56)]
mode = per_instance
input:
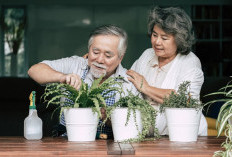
[(181, 99), (224, 115), (226, 109), (85, 97)]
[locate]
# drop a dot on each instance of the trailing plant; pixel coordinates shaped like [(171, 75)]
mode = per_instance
[(227, 145), (93, 97), (148, 114), (181, 99), (226, 109)]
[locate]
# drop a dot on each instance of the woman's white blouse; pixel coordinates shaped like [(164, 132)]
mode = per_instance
[(170, 76)]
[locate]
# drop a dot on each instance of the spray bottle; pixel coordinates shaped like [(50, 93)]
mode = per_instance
[(32, 123)]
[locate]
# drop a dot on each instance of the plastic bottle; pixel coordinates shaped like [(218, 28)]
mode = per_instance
[(32, 123)]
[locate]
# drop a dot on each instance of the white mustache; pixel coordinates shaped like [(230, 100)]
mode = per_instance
[(99, 65)]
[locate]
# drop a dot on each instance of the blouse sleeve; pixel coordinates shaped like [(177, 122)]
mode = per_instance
[(192, 72)]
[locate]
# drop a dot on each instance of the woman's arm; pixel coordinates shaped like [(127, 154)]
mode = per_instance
[(157, 94)]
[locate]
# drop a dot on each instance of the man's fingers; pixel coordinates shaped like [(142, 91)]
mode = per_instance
[(68, 79), (73, 80), (77, 84)]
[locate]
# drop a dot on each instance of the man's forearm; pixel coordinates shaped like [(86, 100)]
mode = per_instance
[(43, 74)]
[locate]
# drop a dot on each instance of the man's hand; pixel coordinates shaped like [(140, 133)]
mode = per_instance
[(73, 80)]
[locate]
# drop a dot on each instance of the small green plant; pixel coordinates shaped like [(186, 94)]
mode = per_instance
[(227, 145), (181, 99), (148, 114), (93, 97)]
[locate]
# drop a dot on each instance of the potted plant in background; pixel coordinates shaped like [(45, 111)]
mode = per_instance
[(224, 119), (183, 113), (81, 107), (132, 118)]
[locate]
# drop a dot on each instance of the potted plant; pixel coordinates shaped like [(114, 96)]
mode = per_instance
[(183, 113), (81, 107), (224, 119), (132, 118)]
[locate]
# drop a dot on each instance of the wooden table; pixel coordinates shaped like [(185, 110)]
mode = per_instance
[(53, 147)]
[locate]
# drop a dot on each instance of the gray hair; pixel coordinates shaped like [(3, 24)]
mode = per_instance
[(173, 21), (111, 30)]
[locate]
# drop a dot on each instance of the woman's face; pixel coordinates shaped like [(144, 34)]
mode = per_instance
[(164, 44)]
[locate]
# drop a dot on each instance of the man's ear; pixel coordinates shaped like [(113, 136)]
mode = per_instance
[(86, 56), (121, 58)]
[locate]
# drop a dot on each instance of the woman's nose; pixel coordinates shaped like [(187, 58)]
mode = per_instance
[(158, 41)]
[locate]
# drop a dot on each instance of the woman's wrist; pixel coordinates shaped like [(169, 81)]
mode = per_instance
[(144, 89)]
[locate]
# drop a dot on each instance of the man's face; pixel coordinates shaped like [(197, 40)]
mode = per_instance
[(103, 57)]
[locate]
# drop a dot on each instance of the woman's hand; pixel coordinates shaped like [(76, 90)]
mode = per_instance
[(138, 80), (156, 94)]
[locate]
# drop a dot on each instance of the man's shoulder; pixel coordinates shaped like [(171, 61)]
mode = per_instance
[(121, 72), (77, 60), (127, 85)]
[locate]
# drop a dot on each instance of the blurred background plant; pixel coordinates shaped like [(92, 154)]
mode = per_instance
[(14, 24)]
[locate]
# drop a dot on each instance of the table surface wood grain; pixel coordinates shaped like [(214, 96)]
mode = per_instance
[(59, 146)]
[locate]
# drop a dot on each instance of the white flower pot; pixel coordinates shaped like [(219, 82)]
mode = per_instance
[(183, 124), (81, 124), (122, 132)]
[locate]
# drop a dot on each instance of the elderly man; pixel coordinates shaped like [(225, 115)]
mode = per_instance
[(107, 46)]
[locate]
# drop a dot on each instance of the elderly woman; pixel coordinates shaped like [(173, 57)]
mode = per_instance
[(162, 68)]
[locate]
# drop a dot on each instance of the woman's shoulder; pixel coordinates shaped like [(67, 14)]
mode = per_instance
[(147, 54), (191, 57), (191, 60)]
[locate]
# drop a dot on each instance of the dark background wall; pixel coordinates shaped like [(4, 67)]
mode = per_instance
[(58, 28)]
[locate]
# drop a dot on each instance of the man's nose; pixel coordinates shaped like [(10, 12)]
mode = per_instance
[(100, 58)]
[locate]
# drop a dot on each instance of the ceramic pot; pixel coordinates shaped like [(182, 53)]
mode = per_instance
[(120, 130), (183, 124), (81, 124)]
